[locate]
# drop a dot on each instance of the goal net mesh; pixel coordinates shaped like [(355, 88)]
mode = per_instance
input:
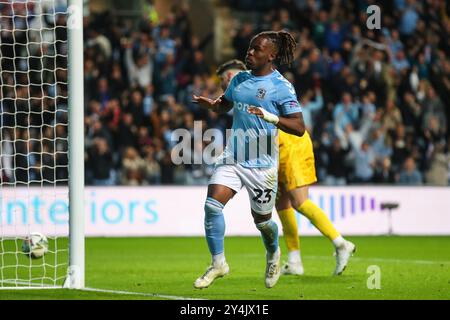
[(33, 140)]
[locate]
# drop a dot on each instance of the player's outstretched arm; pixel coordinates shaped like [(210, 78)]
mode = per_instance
[(292, 123), (220, 105)]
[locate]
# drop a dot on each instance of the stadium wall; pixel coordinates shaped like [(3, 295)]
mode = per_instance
[(178, 211)]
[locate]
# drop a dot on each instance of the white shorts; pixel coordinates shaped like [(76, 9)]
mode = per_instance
[(261, 184)]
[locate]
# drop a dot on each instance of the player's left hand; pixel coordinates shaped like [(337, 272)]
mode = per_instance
[(264, 114), (256, 111)]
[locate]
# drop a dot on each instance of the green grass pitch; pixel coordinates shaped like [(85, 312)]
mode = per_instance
[(411, 268)]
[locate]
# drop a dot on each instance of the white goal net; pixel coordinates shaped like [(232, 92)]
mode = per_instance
[(33, 141)]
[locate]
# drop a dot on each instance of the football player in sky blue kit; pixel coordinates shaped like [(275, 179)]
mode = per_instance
[(262, 101)]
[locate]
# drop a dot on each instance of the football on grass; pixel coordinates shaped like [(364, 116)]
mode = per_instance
[(35, 245)]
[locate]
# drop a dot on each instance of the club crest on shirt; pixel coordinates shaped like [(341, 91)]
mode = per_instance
[(261, 93)]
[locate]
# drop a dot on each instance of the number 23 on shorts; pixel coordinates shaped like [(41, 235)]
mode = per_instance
[(260, 192)]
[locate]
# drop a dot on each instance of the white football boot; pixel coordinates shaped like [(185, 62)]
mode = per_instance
[(294, 268), (273, 270), (211, 274), (343, 254)]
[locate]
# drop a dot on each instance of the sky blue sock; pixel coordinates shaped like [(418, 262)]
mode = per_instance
[(269, 234), (214, 225)]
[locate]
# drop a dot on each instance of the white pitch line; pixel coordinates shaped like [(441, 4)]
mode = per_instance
[(36, 286), (30, 288), (155, 295), (386, 260), (26, 285)]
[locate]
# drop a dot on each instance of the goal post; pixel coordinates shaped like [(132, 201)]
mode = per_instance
[(42, 142), (76, 271)]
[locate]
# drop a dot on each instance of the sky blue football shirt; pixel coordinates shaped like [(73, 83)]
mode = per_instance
[(252, 142)]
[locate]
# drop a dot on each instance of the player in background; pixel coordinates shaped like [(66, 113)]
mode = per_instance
[(277, 107), (296, 172)]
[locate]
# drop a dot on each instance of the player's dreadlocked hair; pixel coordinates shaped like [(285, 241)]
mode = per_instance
[(284, 42), (229, 65)]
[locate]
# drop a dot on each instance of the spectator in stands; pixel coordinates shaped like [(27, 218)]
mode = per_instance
[(152, 169), (334, 37), (409, 17), (127, 132), (439, 164), (165, 45), (364, 163), (310, 107), (346, 112), (433, 107), (139, 66), (132, 168), (165, 80), (410, 175), (392, 117), (242, 39), (103, 94), (101, 163), (399, 148), (399, 61), (384, 173), (337, 170)]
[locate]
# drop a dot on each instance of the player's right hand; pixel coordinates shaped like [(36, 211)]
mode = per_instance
[(206, 102)]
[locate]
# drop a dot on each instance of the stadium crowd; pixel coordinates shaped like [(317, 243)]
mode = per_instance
[(33, 94), (375, 101)]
